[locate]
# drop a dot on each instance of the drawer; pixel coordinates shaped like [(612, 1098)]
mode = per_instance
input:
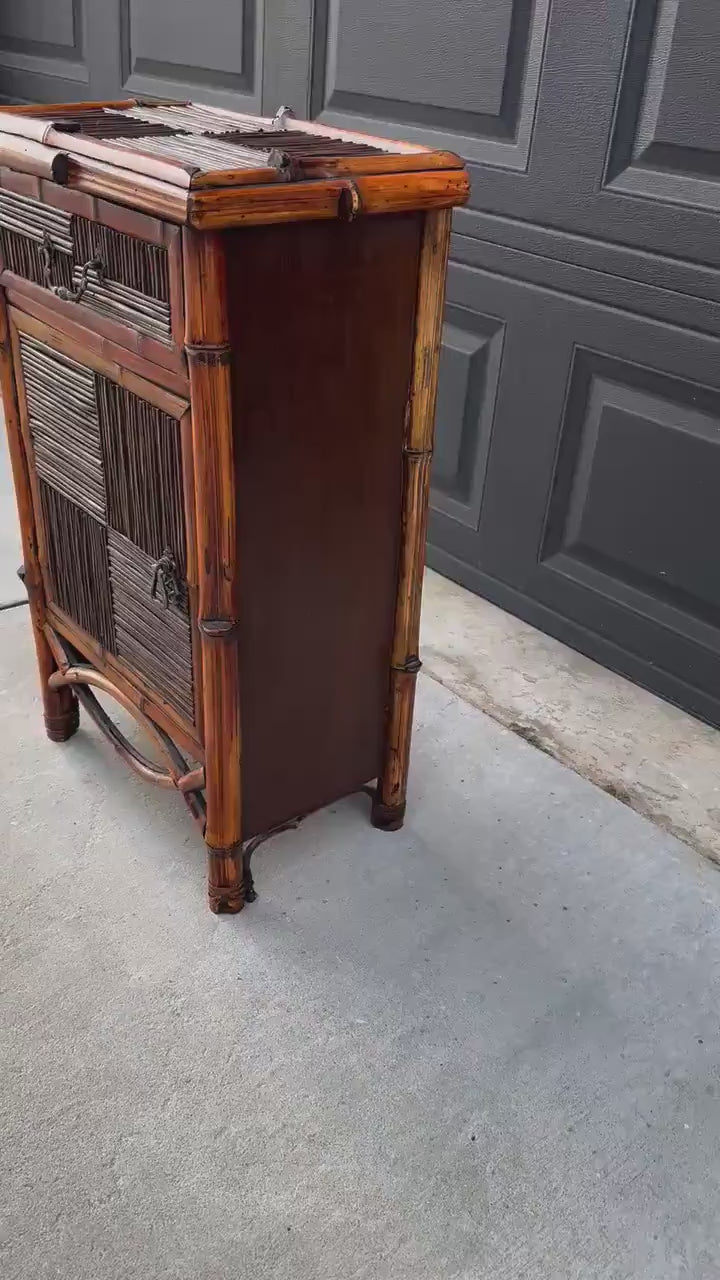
[(113, 270), (111, 475)]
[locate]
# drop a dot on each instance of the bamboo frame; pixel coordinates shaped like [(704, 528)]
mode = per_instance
[(208, 354), (403, 176), (174, 776), (389, 804), (76, 349), (189, 377), (31, 299), (148, 701), (60, 707), (324, 199)]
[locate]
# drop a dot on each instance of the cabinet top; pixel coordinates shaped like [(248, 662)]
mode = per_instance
[(212, 167)]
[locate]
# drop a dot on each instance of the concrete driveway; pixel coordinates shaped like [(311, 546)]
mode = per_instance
[(10, 554), (484, 1047)]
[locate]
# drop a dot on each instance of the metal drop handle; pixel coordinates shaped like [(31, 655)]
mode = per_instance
[(47, 254), (166, 585)]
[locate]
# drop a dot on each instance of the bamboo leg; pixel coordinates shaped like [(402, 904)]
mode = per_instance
[(60, 706), (208, 353), (388, 811)]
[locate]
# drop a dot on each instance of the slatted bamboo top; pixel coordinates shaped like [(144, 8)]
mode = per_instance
[(194, 148)]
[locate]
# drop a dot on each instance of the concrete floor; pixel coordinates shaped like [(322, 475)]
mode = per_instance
[(567, 705), (484, 1048), (10, 554), (663, 762)]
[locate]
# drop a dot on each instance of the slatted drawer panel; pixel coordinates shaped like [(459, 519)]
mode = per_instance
[(76, 547), (63, 418), (25, 224), (151, 636), (133, 286), (135, 263), (33, 219)]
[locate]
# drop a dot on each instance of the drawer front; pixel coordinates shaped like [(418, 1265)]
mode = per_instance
[(104, 272), (109, 485)]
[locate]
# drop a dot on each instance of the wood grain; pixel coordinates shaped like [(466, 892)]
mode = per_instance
[(172, 777), (320, 386), (33, 157), (324, 199), (206, 337), (160, 199), (147, 700), (34, 311), (417, 452)]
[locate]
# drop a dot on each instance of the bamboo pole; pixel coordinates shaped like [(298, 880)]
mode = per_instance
[(60, 706), (389, 804), (208, 353)]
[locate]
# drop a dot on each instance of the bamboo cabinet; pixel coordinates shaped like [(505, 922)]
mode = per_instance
[(219, 340)]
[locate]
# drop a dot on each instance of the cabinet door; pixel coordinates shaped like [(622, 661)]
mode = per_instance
[(112, 488)]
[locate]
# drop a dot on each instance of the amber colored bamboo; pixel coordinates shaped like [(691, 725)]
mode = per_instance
[(208, 353), (62, 108), (78, 350), (60, 706), (137, 190), (34, 157), (389, 805), (28, 298), (327, 198), (319, 166), (171, 777), (147, 700)]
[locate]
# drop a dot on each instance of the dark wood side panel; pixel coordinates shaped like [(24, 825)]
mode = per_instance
[(322, 320)]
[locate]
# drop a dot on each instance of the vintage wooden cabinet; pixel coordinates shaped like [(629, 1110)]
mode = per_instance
[(219, 340)]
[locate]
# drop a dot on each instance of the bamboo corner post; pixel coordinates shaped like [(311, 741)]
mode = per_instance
[(388, 811), (209, 355)]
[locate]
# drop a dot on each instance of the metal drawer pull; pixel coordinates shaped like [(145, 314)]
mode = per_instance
[(166, 585), (47, 254)]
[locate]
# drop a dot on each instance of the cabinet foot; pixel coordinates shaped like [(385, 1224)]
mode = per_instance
[(59, 728), (387, 817), (226, 887)]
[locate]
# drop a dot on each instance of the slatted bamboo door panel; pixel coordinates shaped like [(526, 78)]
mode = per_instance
[(112, 488)]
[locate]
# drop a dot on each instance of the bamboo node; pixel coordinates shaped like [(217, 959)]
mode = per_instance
[(218, 628), (410, 666), (349, 203), (209, 355)]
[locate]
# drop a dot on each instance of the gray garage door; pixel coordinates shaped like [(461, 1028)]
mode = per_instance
[(577, 476)]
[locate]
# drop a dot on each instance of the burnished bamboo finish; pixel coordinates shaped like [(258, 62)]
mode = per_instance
[(208, 353), (327, 198), (389, 806), (219, 387), (60, 706)]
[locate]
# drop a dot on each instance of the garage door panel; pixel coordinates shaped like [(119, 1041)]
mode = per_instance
[(599, 492), (42, 41), (461, 76), (646, 527), (666, 141), (470, 365), (175, 48)]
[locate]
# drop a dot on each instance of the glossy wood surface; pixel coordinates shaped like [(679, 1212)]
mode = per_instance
[(320, 389), (208, 353), (301, 375)]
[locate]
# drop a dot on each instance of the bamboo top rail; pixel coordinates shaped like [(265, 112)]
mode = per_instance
[(213, 168)]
